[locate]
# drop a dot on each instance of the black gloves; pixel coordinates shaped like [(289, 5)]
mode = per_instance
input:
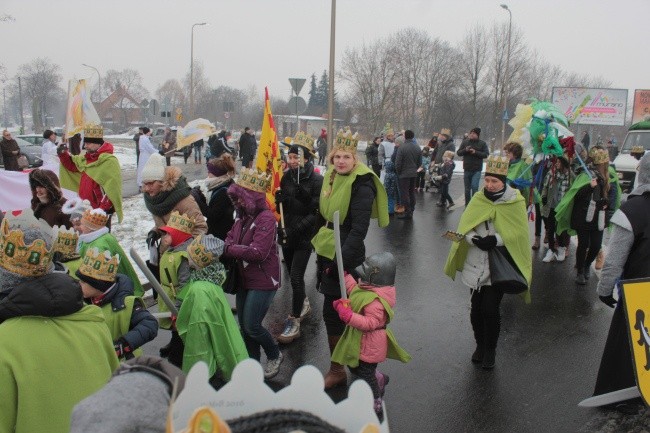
[(486, 243), (152, 238), (608, 300), (122, 348), (332, 272), (279, 197)]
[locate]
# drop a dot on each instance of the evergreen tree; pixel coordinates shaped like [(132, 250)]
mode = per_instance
[(323, 90), (313, 96)]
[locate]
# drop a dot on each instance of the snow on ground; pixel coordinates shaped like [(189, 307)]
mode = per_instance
[(124, 151)]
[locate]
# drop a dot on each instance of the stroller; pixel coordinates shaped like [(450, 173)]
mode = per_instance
[(430, 181)]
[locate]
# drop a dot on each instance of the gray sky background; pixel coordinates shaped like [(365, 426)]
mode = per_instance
[(264, 42)]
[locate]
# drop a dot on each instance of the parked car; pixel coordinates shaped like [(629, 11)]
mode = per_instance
[(35, 139), (31, 151)]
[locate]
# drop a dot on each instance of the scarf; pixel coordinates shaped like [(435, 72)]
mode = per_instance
[(214, 273), (494, 196), (215, 182), (165, 201)]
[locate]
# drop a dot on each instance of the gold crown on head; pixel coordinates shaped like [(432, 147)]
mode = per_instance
[(254, 180), (100, 265), (497, 165), (637, 149), (66, 242), (199, 253), (94, 218), (305, 140), (181, 222), (598, 155), (446, 131), (26, 260), (388, 130), (345, 140), (92, 130)]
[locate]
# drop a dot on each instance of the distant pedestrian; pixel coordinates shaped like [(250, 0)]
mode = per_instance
[(198, 150), (136, 138), (169, 144), (585, 140), (423, 169), (146, 150), (321, 145), (247, 147), (48, 149), (474, 151), (372, 155), (445, 143), (387, 146), (10, 151), (444, 176), (407, 161)]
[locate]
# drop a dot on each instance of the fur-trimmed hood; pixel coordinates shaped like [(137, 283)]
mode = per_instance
[(48, 180)]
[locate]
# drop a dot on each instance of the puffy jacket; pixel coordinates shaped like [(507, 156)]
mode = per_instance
[(473, 162), (50, 211), (408, 159), (220, 211), (300, 205)]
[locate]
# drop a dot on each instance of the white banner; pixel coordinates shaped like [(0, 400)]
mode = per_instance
[(15, 193), (587, 106)]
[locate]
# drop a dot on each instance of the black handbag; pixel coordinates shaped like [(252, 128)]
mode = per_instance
[(504, 273), (231, 284)]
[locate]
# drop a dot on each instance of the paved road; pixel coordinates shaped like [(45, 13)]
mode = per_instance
[(548, 353)]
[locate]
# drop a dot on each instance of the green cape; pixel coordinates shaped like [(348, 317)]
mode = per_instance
[(103, 171), (510, 222), (564, 209), (208, 328), (515, 171), (348, 348), (339, 199)]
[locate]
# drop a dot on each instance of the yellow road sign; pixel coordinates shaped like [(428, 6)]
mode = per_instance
[(636, 294), (179, 117)]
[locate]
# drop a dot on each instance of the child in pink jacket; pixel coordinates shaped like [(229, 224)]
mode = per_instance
[(366, 341)]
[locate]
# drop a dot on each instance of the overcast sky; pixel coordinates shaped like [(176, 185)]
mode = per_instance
[(265, 42)]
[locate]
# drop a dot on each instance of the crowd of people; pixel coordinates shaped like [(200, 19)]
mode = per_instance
[(64, 276)]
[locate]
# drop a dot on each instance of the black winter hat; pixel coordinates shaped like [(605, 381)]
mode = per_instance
[(476, 130), (100, 285)]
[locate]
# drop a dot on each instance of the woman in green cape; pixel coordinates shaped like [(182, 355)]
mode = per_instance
[(495, 216)]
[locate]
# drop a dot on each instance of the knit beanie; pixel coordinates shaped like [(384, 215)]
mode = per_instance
[(214, 169), (154, 169), (644, 169), (100, 285), (476, 130)]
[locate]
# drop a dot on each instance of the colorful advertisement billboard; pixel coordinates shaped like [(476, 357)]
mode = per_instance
[(641, 105), (586, 106)]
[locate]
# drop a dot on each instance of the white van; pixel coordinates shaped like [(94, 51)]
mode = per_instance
[(626, 164)]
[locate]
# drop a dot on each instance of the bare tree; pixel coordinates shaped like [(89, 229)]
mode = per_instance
[(125, 91), (474, 52), (171, 95), (41, 87)]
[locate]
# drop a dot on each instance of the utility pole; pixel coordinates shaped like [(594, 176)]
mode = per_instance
[(191, 110), (20, 97), (330, 97)]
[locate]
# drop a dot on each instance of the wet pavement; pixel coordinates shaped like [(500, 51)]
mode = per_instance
[(547, 358)]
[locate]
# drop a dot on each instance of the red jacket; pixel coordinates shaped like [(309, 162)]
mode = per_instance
[(88, 188)]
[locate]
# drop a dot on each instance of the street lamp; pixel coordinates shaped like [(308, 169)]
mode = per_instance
[(506, 78), (191, 114), (99, 82), (330, 96)]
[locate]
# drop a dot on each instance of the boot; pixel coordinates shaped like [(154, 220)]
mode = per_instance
[(492, 330), (336, 375), (477, 327), (536, 243), (382, 381), (587, 272), (600, 260), (580, 278)]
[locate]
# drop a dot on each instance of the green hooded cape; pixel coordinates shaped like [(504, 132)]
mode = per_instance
[(101, 171), (348, 348), (515, 171), (208, 329), (510, 222), (564, 209), (339, 199)]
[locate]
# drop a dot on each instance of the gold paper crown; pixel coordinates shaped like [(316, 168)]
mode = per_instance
[(96, 219), (637, 149), (254, 180), (346, 141), (26, 260), (199, 254), (181, 222), (497, 165), (305, 140), (598, 155), (66, 242), (388, 130), (100, 266), (446, 131), (92, 130)]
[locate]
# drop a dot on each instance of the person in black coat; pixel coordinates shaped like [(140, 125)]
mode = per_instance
[(247, 147), (219, 144), (299, 195), (219, 210), (372, 155), (474, 151)]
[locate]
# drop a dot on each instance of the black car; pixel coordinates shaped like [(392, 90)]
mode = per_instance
[(31, 151)]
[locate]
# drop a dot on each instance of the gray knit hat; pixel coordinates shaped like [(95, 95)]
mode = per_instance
[(205, 249), (644, 169)]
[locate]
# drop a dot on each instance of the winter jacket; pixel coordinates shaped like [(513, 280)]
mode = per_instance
[(251, 241), (185, 204), (473, 162), (408, 159), (476, 270), (49, 343), (372, 154), (219, 145), (143, 327), (442, 148), (602, 200), (446, 170), (386, 149), (10, 161), (146, 150), (372, 321), (220, 210), (50, 211), (300, 206), (247, 145), (88, 188)]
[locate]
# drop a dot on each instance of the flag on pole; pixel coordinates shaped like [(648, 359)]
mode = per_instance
[(268, 155), (80, 109), (194, 131)]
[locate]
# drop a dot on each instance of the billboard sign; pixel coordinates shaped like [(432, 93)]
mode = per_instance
[(588, 106), (641, 105)]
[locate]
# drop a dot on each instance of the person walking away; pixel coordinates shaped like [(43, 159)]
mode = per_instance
[(474, 151), (219, 214), (252, 243), (247, 147), (366, 340), (407, 162), (321, 145), (423, 169), (494, 217), (10, 151), (198, 149), (627, 259), (445, 174), (391, 185), (146, 150), (299, 193), (350, 187), (586, 208), (136, 138), (372, 155), (556, 184), (48, 152)]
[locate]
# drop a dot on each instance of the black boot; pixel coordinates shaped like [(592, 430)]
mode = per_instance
[(477, 327), (488, 359), (580, 278)]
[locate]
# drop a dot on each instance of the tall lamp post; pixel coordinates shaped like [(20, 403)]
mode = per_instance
[(191, 110), (330, 96), (506, 80), (99, 82)]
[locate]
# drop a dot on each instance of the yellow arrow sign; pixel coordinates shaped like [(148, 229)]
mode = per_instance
[(636, 294)]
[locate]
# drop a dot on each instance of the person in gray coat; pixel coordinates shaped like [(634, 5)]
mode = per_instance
[(407, 161)]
